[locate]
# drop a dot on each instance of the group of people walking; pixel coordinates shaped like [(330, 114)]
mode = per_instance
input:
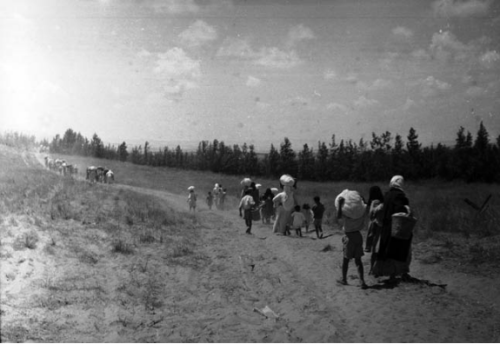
[(387, 218), (390, 223)]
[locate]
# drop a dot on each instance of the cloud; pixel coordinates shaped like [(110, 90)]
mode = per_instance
[(271, 57), (262, 105), (489, 58), (445, 46), (408, 104), (330, 74), (197, 34), (377, 84), (458, 8), (276, 58), (253, 81), (475, 91), (175, 6), (236, 48), (403, 32), (363, 102), (432, 86), (143, 53), (299, 33), (178, 71), (336, 106), (421, 54), (297, 101)]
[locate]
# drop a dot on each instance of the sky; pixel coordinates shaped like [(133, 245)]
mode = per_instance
[(254, 71)]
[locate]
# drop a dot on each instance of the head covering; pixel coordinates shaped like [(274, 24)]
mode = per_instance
[(191, 188), (397, 182), (258, 186), (275, 191)]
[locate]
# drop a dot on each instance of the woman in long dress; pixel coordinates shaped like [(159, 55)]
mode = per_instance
[(393, 254), (284, 203)]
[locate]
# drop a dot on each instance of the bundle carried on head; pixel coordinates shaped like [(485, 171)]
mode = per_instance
[(191, 188), (354, 206), (287, 180), (246, 182), (275, 191)]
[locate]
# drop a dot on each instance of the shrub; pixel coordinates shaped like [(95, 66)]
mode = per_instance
[(27, 240), (120, 246)]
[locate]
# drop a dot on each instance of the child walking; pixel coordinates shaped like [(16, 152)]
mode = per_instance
[(210, 200), (318, 210), (246, 204), (298, 220), (353, 221), (192, 199), (308, 215)]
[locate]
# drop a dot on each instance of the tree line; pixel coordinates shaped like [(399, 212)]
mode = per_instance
[(470, 159)]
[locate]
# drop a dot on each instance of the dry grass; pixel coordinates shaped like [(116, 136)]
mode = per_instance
[(439, 206)]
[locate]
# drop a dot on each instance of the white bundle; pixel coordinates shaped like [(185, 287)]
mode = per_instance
[(275, 191), (246, 182), (287, 180), (354, 207), (190, 188)]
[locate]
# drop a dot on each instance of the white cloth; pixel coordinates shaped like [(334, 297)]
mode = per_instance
[(397, 182), (354, 206), (287, 180), (246, 182)]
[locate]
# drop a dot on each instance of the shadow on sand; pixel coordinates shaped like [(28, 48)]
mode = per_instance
[(391, 283)]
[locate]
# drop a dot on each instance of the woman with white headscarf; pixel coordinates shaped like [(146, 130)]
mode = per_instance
[(394, 253), (284, 203)]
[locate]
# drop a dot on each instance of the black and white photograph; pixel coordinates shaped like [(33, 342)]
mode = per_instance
[(240, 171)]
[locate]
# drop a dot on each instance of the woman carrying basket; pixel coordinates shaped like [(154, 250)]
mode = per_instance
[(394, 248)]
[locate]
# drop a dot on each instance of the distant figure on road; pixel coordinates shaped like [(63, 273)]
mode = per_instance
[(192, 199), (210, 200), (222, 198), (246, 204)]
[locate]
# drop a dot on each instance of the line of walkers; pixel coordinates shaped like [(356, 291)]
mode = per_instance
[(388, 218)]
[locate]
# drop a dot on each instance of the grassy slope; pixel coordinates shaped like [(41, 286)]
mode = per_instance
[(70, 248), (439, 206), (75, 254)]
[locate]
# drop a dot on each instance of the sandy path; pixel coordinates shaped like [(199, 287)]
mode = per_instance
[(296, 280)]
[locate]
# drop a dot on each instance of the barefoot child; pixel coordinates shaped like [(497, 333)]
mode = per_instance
[(298, 220), (318, 210), (351, 211), (246, 204)]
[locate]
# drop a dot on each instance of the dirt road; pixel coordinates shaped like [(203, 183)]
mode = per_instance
[(246, 288), (296, 279)]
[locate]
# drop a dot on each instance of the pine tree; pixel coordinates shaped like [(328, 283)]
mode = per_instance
[(306, 164), (122, 152), (287, 162), (414, 155), (322, 162), (97, 147)]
